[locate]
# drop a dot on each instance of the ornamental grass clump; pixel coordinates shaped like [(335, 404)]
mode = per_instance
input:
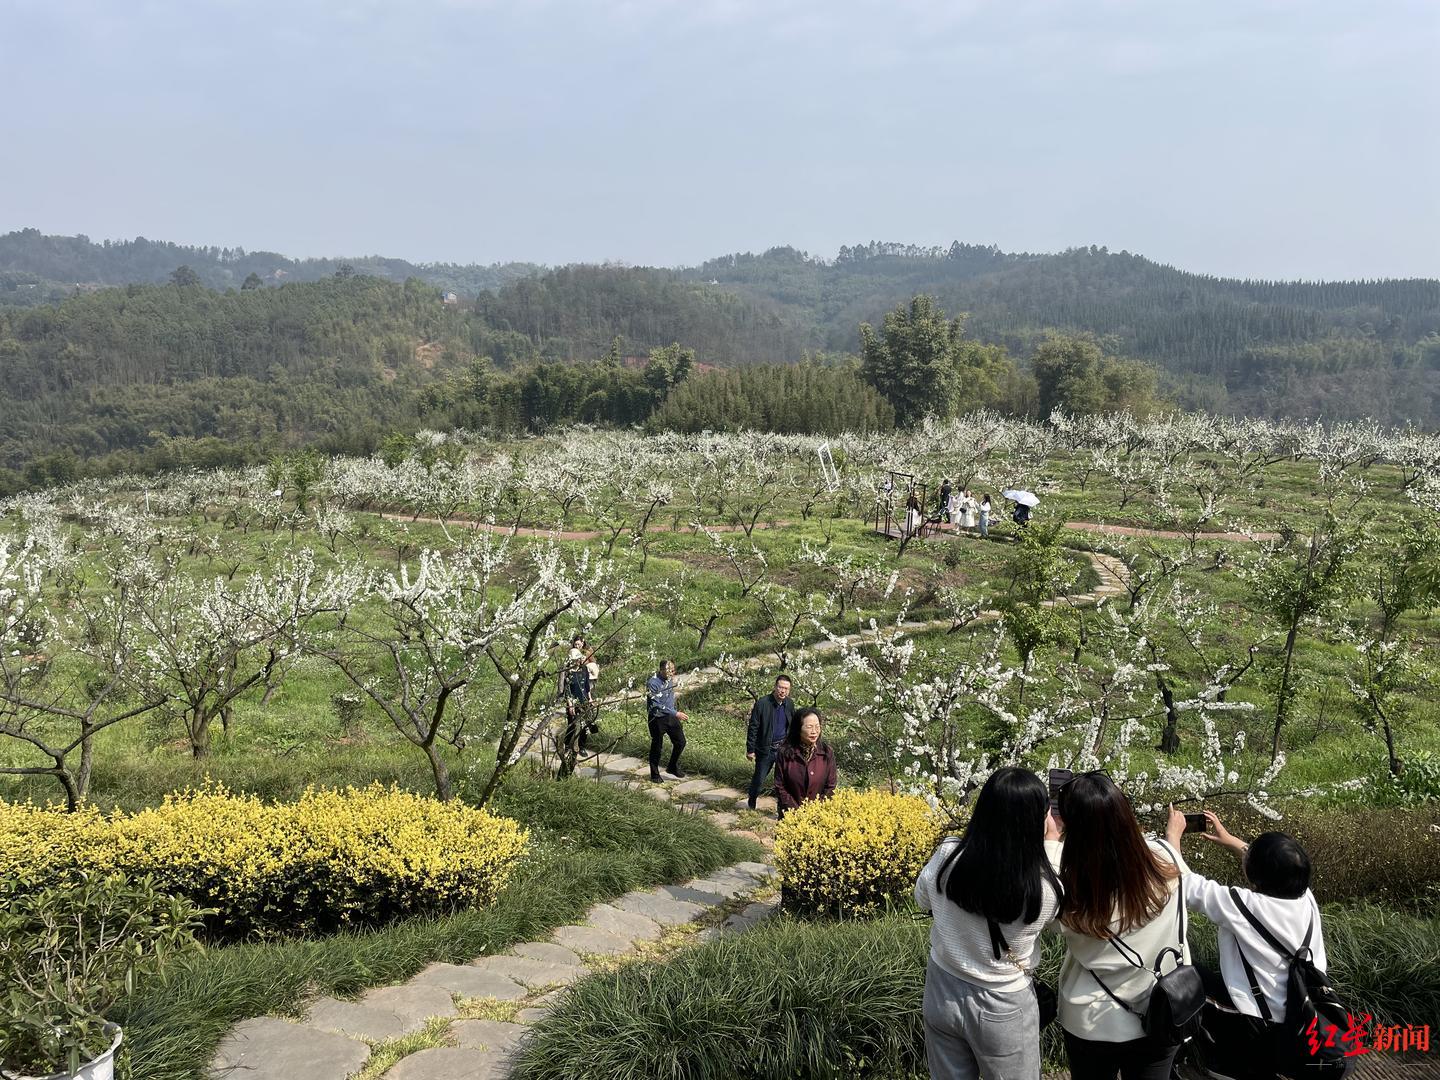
[(334, 859), (854, 853)]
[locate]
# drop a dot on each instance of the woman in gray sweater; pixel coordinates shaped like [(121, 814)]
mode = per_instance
[(991, 892)]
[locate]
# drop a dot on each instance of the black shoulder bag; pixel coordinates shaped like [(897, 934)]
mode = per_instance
[(1173, 1015)]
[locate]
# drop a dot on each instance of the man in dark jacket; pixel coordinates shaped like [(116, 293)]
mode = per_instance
[(769, 724)]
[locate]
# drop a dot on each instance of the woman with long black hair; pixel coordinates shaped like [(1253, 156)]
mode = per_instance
[(1124, 913), (991, 892)]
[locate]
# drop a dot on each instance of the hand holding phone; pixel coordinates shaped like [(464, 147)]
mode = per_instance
[(1194, 823)]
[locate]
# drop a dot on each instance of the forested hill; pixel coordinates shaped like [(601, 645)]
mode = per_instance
[(35, 267), (1335, 350)]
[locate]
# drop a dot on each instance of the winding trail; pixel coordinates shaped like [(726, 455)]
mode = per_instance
[(601, 534)]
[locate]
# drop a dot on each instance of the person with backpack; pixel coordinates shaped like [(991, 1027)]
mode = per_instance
[(991, 892), (575, 681), (1271, 983), (1128, 995)]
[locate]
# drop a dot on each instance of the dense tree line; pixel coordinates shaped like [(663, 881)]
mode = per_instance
[(31, 258), (804, 398)]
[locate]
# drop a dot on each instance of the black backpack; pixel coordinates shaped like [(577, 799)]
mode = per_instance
[(1176, 1004), (1308, 1040)]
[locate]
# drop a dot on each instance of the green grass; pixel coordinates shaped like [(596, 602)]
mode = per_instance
[(592, 842)]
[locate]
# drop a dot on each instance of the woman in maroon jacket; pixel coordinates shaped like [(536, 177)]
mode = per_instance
[(805, 767)]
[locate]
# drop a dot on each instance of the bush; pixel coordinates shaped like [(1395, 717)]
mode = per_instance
[(855, 852), (68, 954), (332, 859), (1419, 780), (1383, 856)]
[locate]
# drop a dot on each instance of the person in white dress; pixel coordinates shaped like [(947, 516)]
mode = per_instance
[(953, 508), (968, 508)]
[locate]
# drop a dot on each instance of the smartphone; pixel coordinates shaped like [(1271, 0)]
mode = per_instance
[(1195, 823), (1058, 779)]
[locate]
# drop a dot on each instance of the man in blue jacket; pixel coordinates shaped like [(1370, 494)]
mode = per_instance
[(665, 719), (769, 721)]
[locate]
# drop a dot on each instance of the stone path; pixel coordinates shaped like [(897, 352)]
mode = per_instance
[(336, 1038)]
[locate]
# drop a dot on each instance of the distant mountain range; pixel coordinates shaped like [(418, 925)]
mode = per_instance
[(1319, 349)]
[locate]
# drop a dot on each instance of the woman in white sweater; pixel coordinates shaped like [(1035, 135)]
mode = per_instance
[(990, 892), (1123, 910)]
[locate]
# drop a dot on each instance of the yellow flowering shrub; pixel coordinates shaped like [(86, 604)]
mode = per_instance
[(851, 853), (332, 859)]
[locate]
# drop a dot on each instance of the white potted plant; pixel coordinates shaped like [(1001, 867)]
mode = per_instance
[(69, 953)]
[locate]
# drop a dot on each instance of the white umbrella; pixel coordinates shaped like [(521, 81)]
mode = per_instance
[(1024, 498)]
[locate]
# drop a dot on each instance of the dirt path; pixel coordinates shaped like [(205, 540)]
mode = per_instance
[(598, 534)]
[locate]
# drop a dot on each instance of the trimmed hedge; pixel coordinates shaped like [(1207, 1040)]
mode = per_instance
[(331, 860), (855, 852)]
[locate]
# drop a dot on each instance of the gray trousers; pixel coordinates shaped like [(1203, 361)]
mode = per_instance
[(973, 1033)]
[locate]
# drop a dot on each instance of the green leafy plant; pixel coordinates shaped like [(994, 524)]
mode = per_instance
[(70, 953)]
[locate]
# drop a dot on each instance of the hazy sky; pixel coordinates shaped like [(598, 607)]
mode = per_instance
[(1246, 137)]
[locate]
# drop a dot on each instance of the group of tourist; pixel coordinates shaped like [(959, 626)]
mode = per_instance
[(1080, 863), (963, 510), (778, 737)]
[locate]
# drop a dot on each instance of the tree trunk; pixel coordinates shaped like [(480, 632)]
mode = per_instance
[(1282, 703), (199, 731), (705, 632), (87, 761), (443, 790)]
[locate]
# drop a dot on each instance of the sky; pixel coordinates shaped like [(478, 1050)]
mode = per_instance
[(1250, 138)]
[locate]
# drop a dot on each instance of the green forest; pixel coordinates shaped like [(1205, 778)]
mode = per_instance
[(158, 356)]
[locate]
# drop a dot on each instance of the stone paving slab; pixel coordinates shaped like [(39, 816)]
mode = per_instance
[(725, 819), (267, 1048), (415, 1004), (590, 939), (689, 787), (448, 1063), (353, 1018), (725, 792), (631, 925), (694, 895), (716, 797), (487, 1034), (531, 972), (470, 981), (623, 763), (660, 907), (756, 869), (547, 951), (761, 910), (655, 791), (723, 887), (540, 1010)]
